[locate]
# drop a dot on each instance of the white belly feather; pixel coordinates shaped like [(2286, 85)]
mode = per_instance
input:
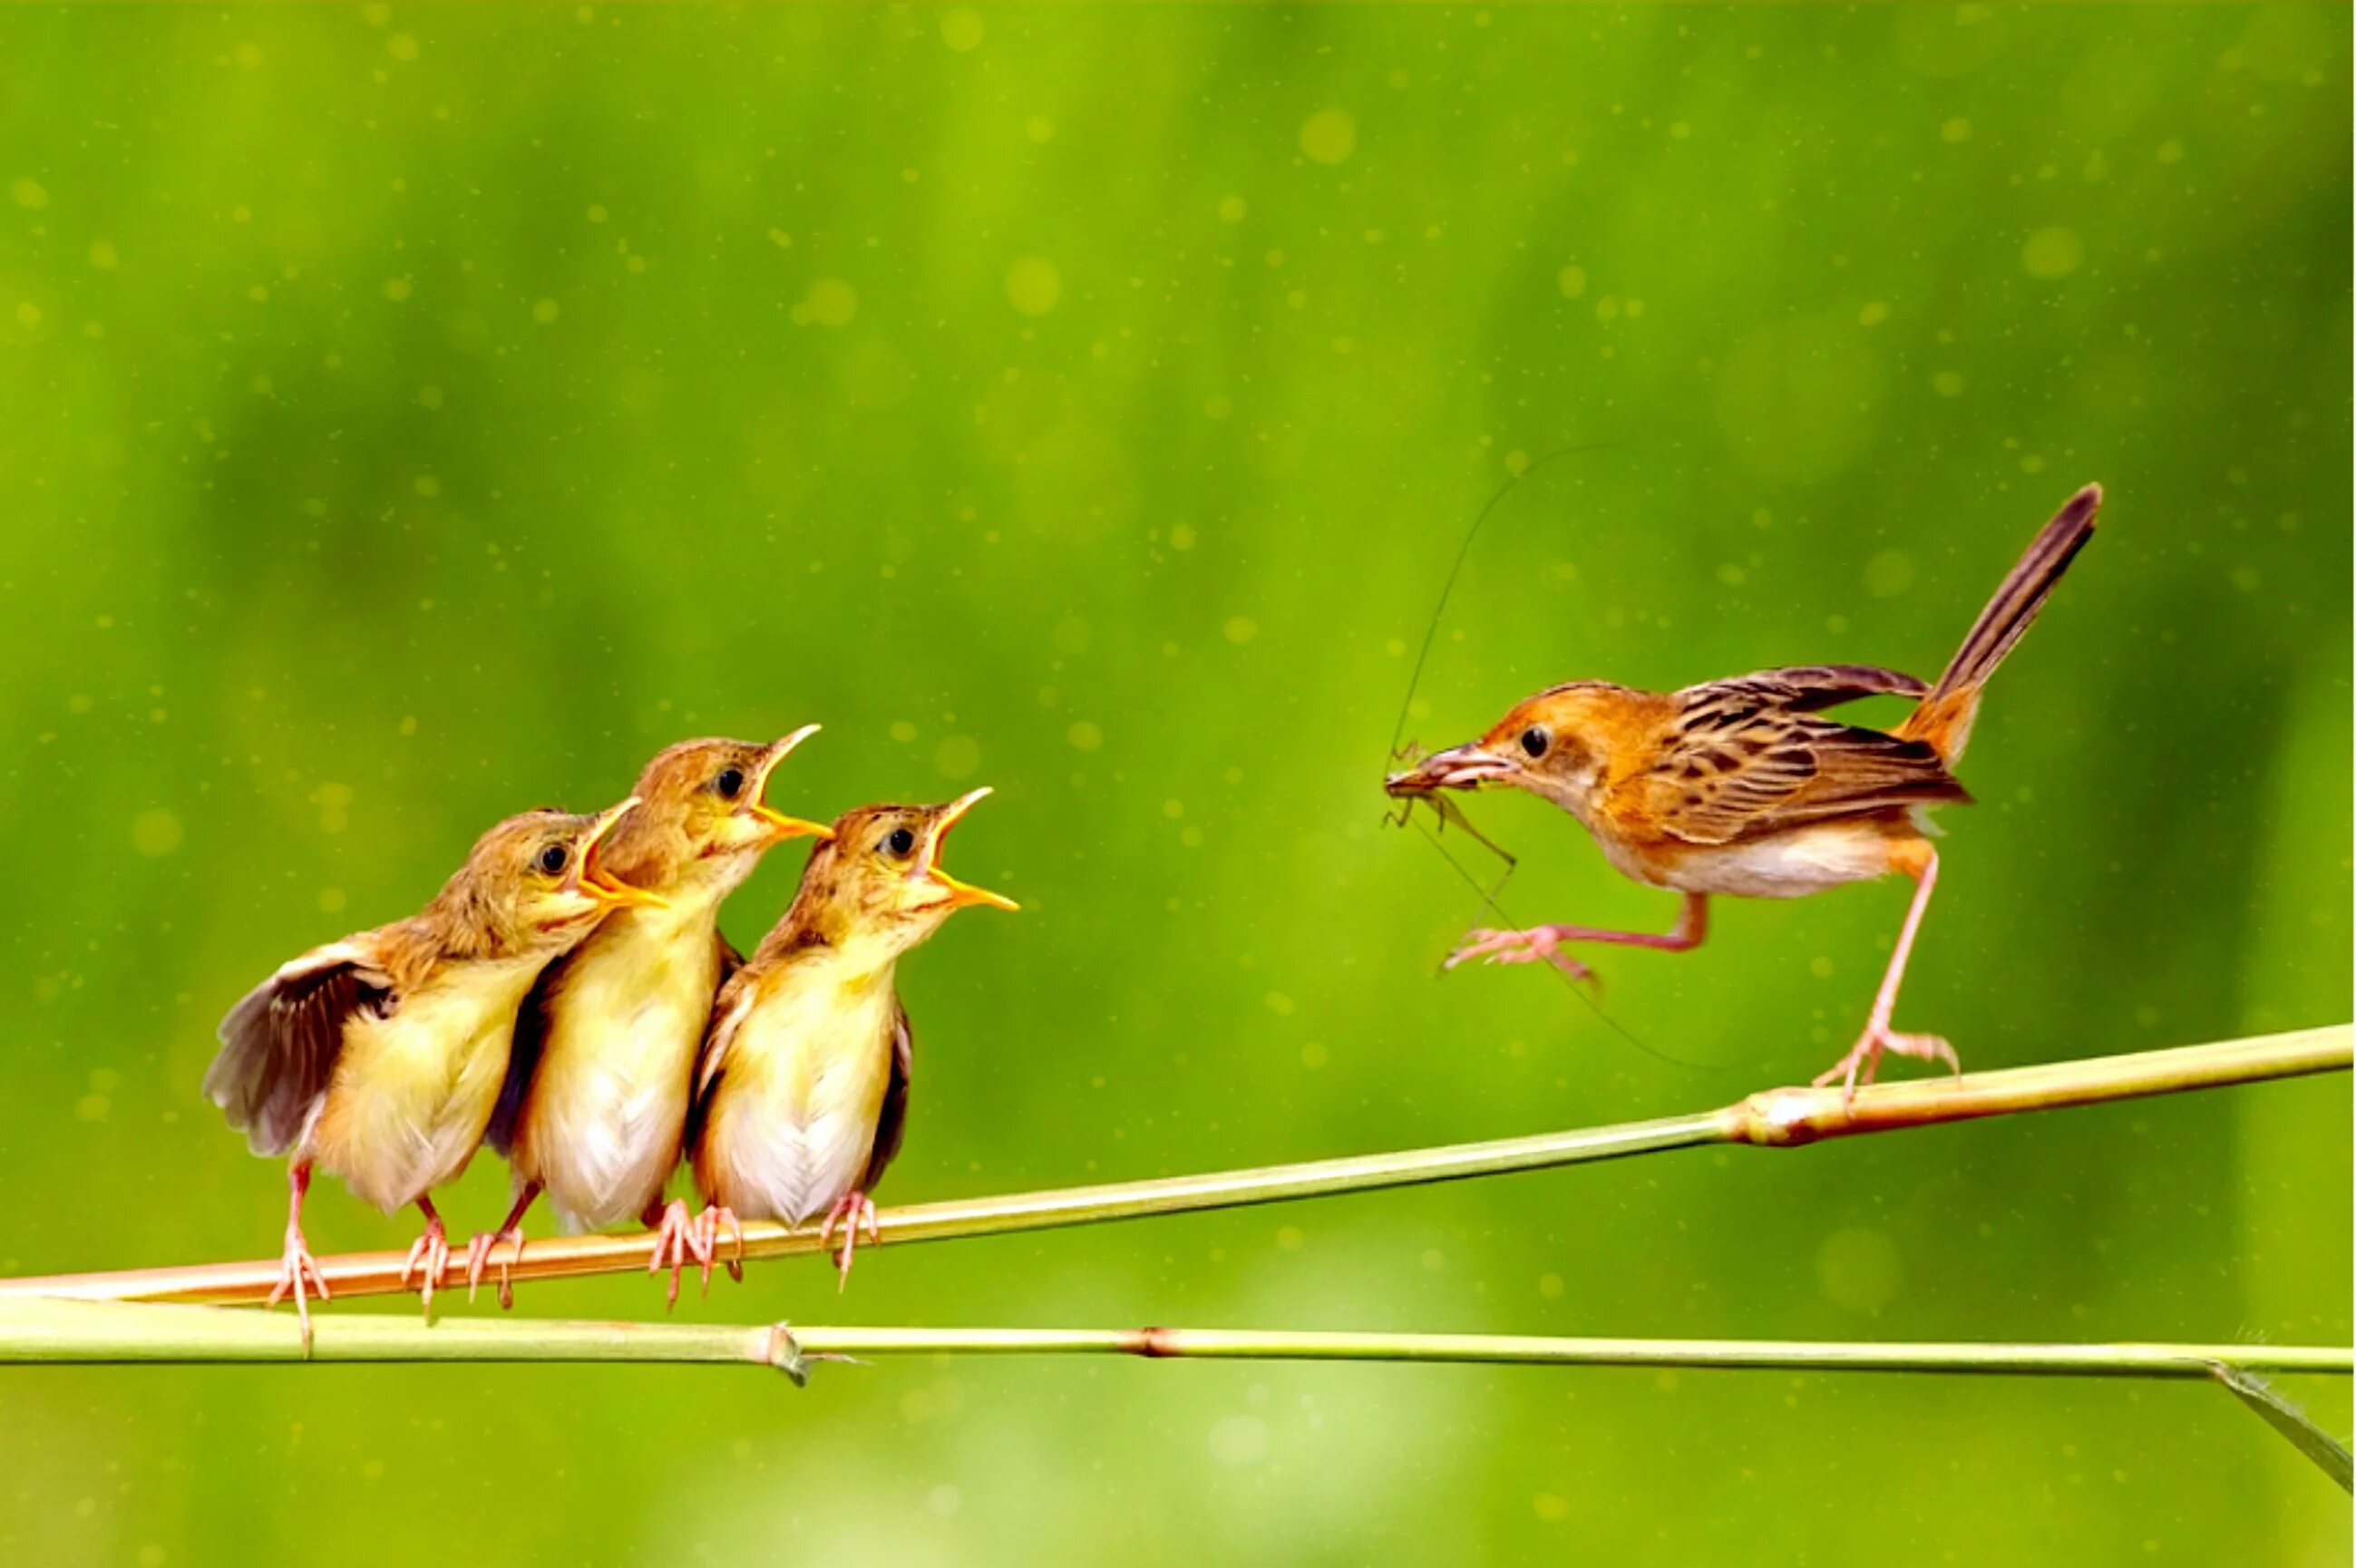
[(1786, 865), (603, 1125), (795, 1119)]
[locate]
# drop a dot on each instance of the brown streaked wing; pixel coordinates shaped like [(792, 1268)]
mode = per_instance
[(1775, 769), (892, 1125), (280, 1045), (1802, 688)]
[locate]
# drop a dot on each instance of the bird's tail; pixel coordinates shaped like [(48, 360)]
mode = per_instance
[(1945, 717)]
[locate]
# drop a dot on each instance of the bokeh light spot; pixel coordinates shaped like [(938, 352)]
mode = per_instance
[(155, 832), (1329, 137)]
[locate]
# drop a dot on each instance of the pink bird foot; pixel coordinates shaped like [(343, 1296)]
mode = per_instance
[(1857, 1067), (1539, 943), (853, 1210), (428, 1260), (297, 1268), (679, 1238), (479, 1248), (703, 1242), (298, 1273)]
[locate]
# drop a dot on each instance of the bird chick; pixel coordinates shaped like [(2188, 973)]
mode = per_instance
[(1739, 787), (802, 1093), (378, 1058), (595, 1108)]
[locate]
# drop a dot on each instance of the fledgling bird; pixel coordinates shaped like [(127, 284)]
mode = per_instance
[(802, 1093), (377, 1058), (1739, 788), (594, 1111)]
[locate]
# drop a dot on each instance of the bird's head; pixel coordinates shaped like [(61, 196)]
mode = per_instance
[(879, 878), (534, 885), (1554, 745), (700, 825)]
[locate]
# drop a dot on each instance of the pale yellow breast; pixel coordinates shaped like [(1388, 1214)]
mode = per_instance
[(794, 1119), (412, 1093), (602, 1126)]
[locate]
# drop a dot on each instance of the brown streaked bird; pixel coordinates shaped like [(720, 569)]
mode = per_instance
[(802, 1094), (594, 1111), (1740, 787), (377, 1058)]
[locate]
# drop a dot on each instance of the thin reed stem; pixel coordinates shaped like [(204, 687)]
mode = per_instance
[(1774, 1119), (57, 1332)]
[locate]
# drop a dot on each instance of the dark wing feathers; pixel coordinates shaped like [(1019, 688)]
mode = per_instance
[(1747, 758), (1805, 688), (892, 1125), (529, 1043), (279, 1045)]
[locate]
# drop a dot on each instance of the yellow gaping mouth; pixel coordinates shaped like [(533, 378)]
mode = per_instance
[(961, 893), (595, 883), (781, 826)]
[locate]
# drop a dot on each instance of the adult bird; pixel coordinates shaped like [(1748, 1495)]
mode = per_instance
[(1741, 788)]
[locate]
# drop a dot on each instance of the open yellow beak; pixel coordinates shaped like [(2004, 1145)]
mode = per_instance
[(961, 893), (781, 826), (595, 883)]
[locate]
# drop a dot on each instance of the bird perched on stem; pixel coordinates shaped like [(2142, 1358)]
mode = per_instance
[(378, 1058), (1741, 788), (595, 1110), (802, 1094)]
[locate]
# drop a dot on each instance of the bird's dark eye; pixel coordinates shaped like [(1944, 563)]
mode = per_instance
[(900, 842), (730, 783), (1535, 741), (553, 858)]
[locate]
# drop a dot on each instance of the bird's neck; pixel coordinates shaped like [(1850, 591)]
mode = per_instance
[(646, 940)]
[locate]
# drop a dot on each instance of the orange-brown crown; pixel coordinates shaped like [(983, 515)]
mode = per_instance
[(701, 820)]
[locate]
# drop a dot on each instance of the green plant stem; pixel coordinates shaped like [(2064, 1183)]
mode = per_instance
[(1777, 1118), (57, 1332)]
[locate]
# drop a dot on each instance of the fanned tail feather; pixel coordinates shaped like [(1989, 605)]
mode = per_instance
[(1945, 717)]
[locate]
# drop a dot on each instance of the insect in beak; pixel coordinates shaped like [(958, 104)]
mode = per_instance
[(1463, 766)]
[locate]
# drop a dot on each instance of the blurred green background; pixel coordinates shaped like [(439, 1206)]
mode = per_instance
[(410, 415)]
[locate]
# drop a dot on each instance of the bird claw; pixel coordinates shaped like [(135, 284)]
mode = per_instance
[(478, 1257), (679, 1238), (1856, 1068), (1539, 942), (298, 1275), (429, 1260), (702, 1243), (855, 1211)]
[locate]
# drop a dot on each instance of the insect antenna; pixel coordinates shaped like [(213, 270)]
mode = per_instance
[(1455, 569), (1452, 815)]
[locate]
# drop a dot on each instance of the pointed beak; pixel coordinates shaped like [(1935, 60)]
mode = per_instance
[(1466, 766), (781, 826), (961, 893), (595, 882)]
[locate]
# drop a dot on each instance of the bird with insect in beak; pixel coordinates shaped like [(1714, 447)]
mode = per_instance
[(1741, 788), (378, 1058), (594, 1111), (802, 1093)]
